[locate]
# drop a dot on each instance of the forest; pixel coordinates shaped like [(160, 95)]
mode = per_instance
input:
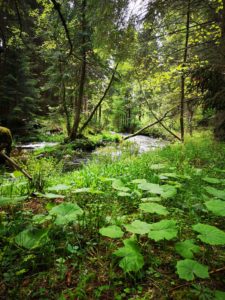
[(112, 149)]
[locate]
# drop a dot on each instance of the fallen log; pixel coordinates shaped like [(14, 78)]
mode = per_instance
[(15, 165)]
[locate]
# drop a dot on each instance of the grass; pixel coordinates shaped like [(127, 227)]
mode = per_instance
[(75, 261)]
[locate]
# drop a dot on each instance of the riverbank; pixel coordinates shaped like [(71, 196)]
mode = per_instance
[(74, 154), (116, 228)]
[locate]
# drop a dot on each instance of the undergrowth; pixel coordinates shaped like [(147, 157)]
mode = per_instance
[(124, 226)]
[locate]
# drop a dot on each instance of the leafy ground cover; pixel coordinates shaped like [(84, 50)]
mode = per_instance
[(122, 227)]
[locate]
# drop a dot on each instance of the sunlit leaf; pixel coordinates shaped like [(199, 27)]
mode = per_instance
[(66, 212), (32, 238), (111, 231), (119, 185), (138, 227), (169, 191), (151, 199), (154, 208), (187, 269), (165, 229), (210, 234), (215, 192), (187, 248), (211, 180), (153, 188), (124, 194), (11, 200), (157, 166), (217, 207), (138, 181), (59, 187), (132, 260)]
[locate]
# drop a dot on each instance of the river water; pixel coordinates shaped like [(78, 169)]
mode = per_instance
[(137, 145)]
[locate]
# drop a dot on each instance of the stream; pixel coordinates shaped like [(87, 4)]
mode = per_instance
[(138, 144)]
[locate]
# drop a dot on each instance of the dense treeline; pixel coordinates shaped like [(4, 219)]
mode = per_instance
[(62, 57)]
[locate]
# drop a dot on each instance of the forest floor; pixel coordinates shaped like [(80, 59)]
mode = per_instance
[(147, 226)]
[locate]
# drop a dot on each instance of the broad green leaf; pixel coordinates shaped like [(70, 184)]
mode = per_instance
[(66, 212), (165, 229), (138, 227), (59, 187), (219, 295), (50, 196), (151, 199), (157, 166), (138, 181), (81, 190), (154, 208), (217, 207), (132, 263), (169, 175), (40, 218), (187, 248), (124, 194), (117, 184), (132, 260), (87, 190), (215, 192), (175, 176), (187, 269), (210, 234), (11, 200), (211, 180), (169, 191), (151, 187), (32, 238), (111, 231)]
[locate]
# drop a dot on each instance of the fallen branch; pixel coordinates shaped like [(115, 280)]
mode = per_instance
[(149, 125), (15, 165), (154, 115), (100, 101)]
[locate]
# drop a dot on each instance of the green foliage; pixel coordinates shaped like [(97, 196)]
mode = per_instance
[(187, 248), (217, 207), (211, 180), (132, 260), (112, 231), (32, 238), (117, 184), (165, 229), (154, 208), (210, 234), (151, 188), (65, 213), (215, 192), (138, 227), (75, 242), (187, 269)]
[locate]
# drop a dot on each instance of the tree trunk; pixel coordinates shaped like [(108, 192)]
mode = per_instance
[(64, 104), (65, 108), (182, 99), (79, 101), (99, 103)]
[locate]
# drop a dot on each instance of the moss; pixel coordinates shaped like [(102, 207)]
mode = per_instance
[(5, 139)]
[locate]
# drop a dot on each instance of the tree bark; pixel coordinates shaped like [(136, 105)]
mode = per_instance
[(182, 99), (79, 101)]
